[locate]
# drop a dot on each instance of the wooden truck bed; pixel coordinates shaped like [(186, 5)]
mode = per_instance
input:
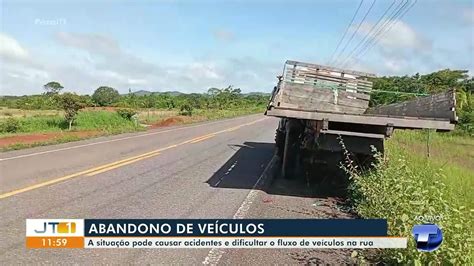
[(316, 92)]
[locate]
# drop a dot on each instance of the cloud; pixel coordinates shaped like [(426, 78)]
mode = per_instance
[(93, 43), (94, 60), (402, 36), (224, 35), (20, 70), (401, 50), (399, 36), (11, 50)]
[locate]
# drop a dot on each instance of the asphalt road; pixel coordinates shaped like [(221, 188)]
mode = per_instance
[(220, 169), (179, 172)]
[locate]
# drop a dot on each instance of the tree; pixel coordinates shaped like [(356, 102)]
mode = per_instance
[(71, 103), (52, 88), (186, 109), (104, 96)]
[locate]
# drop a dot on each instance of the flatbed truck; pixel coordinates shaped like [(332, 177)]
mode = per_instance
[(321, 107)]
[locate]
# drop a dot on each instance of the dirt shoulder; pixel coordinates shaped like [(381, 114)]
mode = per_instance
[(37, 139), (23, 141), (279, 198)]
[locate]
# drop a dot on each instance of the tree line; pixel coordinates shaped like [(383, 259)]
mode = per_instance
[(71, 103), (392, 89), (386, 90), (215, 98)]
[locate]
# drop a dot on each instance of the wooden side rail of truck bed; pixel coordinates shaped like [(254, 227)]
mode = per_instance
[(365, 119)]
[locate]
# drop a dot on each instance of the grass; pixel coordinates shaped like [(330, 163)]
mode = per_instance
[(219, 114), (407, 184), (18, 113), (87, 120), (104, 121), (153, 116), (452, 154), (63, 139), (101, 122)]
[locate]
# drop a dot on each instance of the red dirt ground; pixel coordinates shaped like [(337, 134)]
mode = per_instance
[(43, 137), (169, 122), (51, 136)]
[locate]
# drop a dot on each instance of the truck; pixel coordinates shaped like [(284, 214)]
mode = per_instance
[(324, 114)]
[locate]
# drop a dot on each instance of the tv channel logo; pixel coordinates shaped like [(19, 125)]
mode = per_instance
[(428, 237), (54, 227), (57, 227)]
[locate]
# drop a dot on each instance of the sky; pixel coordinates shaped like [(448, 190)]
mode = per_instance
[(191, 46)]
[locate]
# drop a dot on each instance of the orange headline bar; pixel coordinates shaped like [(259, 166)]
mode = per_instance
[(54, 242)]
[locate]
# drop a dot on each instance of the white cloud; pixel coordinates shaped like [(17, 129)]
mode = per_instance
[(11, 50), (93, 43), (400, 36), (20, 71), (100, 60), (401, 50)]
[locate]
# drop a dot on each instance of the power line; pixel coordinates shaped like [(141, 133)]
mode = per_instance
[(363, 52), (373, 28), (386, 28), (382, 28), (358, 27), (345, 32)]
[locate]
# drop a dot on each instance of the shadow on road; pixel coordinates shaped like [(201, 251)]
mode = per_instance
[(244, 168)]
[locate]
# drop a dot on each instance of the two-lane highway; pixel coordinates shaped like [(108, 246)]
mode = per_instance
[(203, 170)]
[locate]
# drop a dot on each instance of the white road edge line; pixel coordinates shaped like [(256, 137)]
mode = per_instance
[(114, 140), (215, 254)]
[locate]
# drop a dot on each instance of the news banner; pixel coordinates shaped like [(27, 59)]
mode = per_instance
[(210, 233)]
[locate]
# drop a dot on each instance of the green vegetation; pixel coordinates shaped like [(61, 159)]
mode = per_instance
[(107, 112), (407, 184), (53, 88), (10, 125), (452, 153), (71, 104), (387, 90), (105, 96), (127, 113), (91, 120)]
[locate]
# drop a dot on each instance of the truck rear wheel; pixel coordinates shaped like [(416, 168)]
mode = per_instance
[(291, 149), (279, 142)]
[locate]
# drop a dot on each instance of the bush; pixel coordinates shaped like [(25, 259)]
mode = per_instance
[(401, 190), (126, 113), (10, 125), (186, 109)]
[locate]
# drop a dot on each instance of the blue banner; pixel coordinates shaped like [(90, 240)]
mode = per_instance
[(235, 227)]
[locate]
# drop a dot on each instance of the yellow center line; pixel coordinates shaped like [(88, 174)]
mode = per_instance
[(56, 180), (120, 163), (203, 138)]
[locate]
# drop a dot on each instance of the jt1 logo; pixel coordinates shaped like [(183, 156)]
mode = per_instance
[(428, 237), (57, 227)]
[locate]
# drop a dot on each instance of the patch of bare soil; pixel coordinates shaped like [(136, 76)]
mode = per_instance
[(44, 137), (176, 120)]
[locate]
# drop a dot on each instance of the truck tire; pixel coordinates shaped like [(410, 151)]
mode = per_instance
[(291, 149), (279, 143)]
